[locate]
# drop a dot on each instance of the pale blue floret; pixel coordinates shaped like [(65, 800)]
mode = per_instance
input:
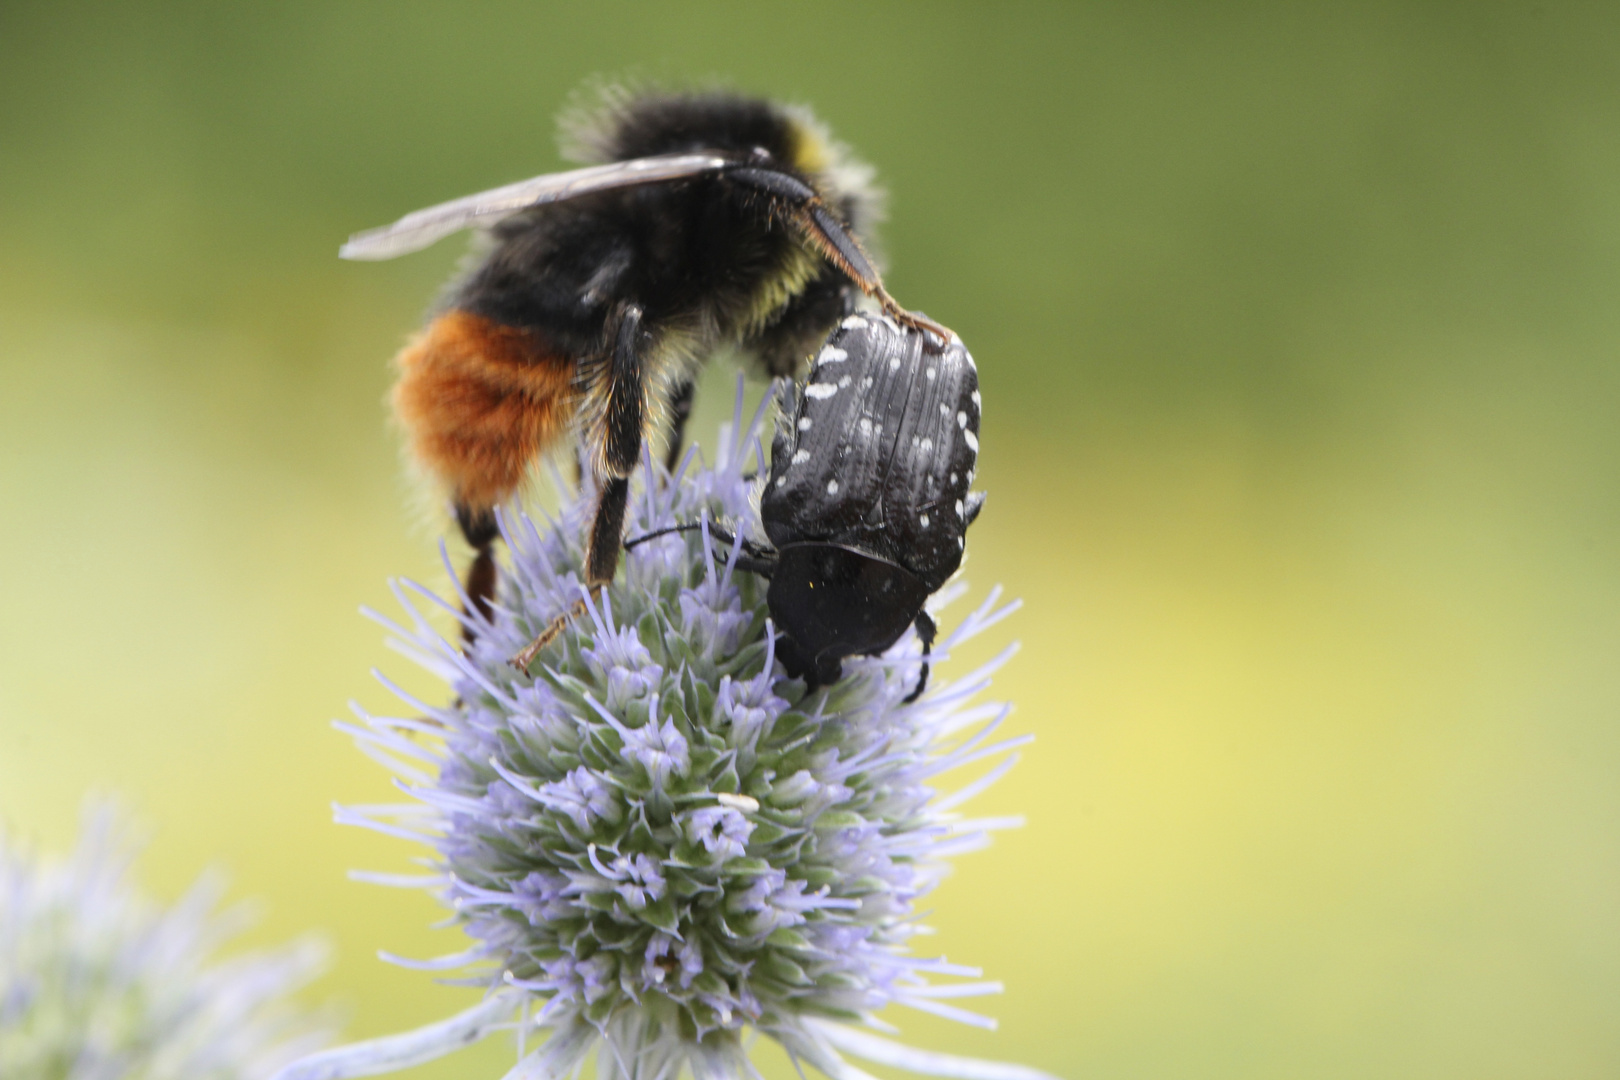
[(722, 831), (582, 795), (657, 842)]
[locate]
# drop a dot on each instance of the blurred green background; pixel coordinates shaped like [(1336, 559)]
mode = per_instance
[(1298, 336)]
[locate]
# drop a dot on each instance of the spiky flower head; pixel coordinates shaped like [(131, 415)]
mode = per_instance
[(655, 840), (99, 983)]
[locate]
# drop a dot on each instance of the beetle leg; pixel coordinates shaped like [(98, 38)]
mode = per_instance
[(614, 457), (925, 631), (763, 567)]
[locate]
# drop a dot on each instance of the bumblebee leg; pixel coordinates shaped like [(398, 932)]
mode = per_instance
[(615, 458), (601, 560), (607, 527), (478, 526), (925, 631), (680, 410), (624, 417)]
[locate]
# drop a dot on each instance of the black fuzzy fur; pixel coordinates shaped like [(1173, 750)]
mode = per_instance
[(696, 255), (633, 286)]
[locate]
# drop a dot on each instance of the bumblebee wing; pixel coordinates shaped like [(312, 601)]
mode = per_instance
[(415, 231)]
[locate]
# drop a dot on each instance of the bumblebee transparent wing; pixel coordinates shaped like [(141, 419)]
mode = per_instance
[(415, 231)]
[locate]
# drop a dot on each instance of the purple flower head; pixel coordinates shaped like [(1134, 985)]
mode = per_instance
[(654, 838), (97, 980)]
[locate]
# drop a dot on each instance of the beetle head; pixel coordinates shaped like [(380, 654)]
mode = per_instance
[(832, 601)]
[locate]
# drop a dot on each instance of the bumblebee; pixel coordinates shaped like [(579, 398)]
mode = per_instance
[(705, 221)]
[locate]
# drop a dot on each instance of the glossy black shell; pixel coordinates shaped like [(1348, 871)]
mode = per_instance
[(868, 499), (879, 451)]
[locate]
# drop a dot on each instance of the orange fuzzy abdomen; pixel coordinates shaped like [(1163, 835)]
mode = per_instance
[(480, 402)]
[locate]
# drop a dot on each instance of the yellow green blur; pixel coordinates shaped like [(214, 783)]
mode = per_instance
[(1298, 332)]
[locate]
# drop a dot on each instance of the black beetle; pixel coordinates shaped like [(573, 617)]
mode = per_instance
[(868, 501)]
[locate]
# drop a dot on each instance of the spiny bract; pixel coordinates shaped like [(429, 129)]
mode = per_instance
[(655, 841)]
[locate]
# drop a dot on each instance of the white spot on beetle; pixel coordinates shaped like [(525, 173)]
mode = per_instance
[(820, 391), (804, 423), (970, 476), (969, 358), (933, 373), (977, 403), (927, 445), (854, 322), (866, 426), (960, 543), (894, 363), (972, 440), (800, 457), (923, 521), (832, 355), (780, 480), (953, 479), (959, 508), (944, 409), (832, 487), (866, 383), (961, 419)]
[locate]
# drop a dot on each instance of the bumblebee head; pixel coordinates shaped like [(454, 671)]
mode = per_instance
[(621, 125)]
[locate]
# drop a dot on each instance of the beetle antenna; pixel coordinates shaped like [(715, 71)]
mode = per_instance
[(720, 534)]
